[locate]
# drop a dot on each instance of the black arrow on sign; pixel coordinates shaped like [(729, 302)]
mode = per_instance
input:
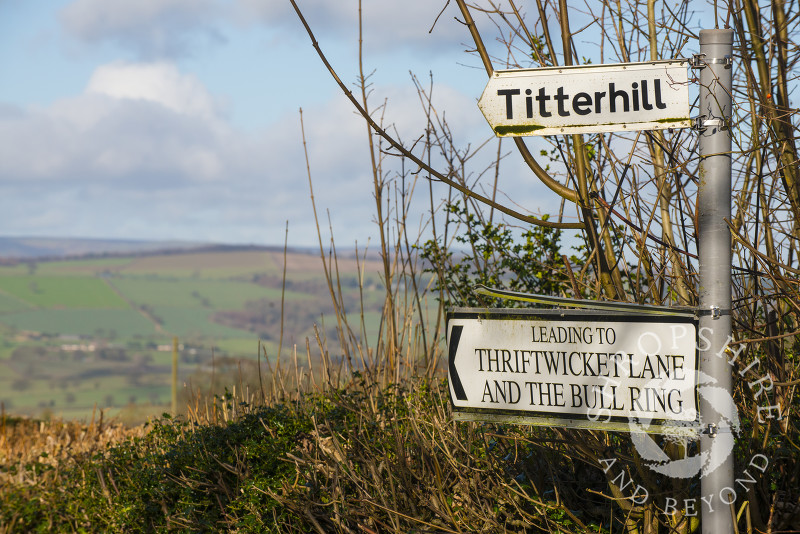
[(455, 336)]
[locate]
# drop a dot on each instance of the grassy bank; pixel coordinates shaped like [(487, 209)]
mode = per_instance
[(354, 458)]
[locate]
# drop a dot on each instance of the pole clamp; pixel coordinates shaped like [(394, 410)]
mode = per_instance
[(701, 123), (699, 61), (712, 430), (714, 311)]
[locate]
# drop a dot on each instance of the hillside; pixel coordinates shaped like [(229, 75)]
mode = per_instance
[(38, 248), (97, 330)]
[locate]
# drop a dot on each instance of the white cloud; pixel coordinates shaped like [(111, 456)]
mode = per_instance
[(147, 123), (140, 154), (159, 82), (154, 28), (143, 154)]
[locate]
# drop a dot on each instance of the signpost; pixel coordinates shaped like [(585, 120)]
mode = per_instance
[(600, 369), (574, 368), (588, 98)]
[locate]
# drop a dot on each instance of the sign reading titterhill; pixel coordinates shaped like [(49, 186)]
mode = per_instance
[(574, 368), (588, 98)]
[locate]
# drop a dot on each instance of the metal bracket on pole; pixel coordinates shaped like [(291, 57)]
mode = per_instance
[(699, 61), (711, 430), (701, 123), (715, 312)]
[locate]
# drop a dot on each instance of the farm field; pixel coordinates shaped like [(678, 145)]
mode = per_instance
[(96, 333)]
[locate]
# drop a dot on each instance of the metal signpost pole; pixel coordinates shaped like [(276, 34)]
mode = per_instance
[(714, 206), (174, 376)]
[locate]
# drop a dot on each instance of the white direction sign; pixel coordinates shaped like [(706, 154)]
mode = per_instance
[(575, 368), (588, 98)]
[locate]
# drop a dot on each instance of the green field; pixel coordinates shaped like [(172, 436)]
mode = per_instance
[(176, 292), (75, 334), (196, 324), (109, 324), (10, 303), (62, 291)]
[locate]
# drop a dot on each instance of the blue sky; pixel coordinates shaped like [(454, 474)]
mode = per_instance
[(178, 119)]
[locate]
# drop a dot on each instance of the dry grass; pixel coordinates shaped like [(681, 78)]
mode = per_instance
[(55, 443)]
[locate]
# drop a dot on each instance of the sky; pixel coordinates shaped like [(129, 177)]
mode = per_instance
[(179, 119)]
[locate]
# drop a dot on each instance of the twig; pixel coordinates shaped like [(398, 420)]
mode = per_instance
[(399, 147)]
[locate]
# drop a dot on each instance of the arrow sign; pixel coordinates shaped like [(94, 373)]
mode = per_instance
[(455, 381), (576, 368), (588, 98)]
